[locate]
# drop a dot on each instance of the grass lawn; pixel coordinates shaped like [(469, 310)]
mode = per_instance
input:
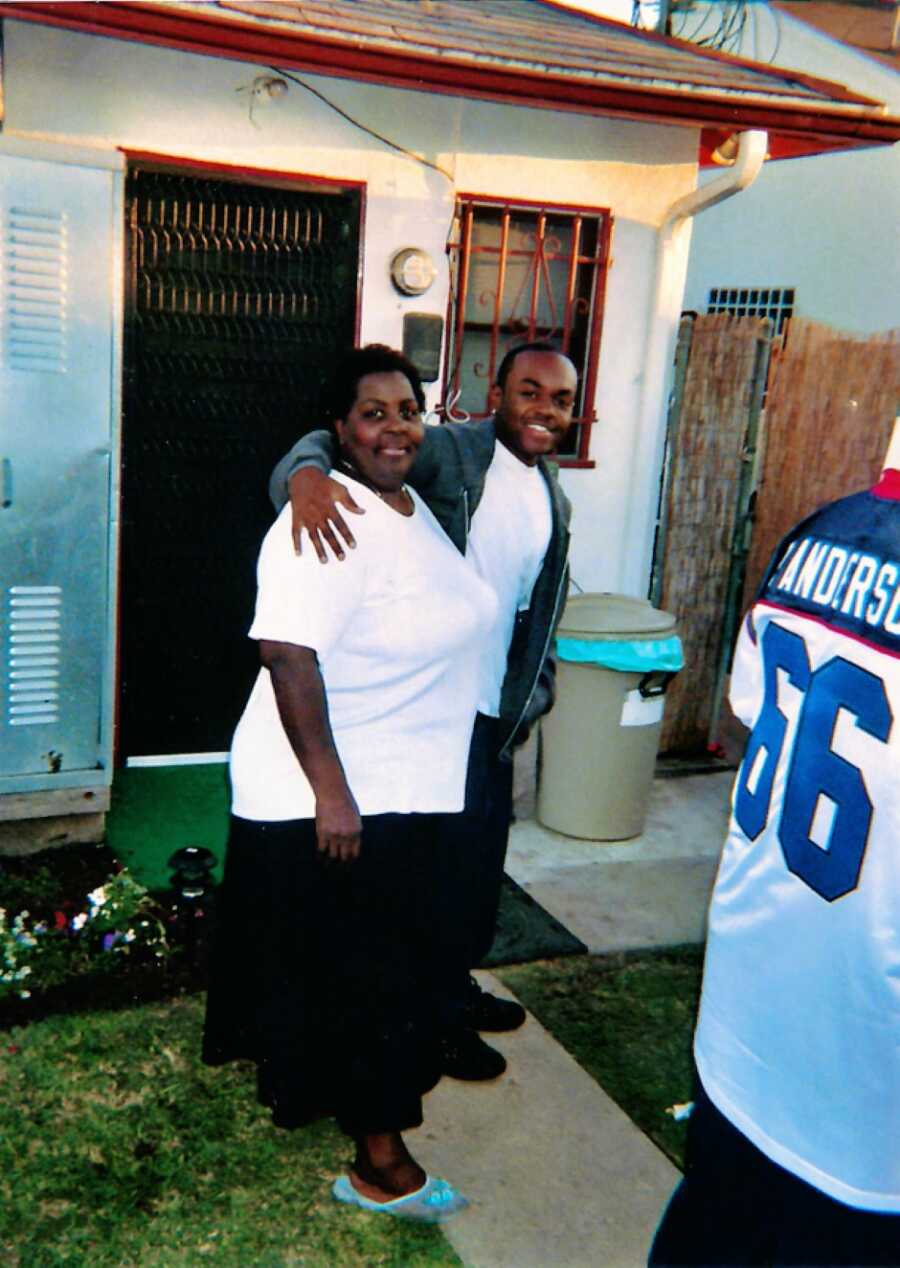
[(119, 1148), (628, 1020)]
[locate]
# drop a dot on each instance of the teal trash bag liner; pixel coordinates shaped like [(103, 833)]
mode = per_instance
[(637, 656)]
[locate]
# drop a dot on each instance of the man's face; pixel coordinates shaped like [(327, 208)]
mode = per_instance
[(534, 406)]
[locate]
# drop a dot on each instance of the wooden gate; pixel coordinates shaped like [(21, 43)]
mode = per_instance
[(738, 477), (831, 405)]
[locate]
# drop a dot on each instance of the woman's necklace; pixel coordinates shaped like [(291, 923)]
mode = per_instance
[(406, 496)]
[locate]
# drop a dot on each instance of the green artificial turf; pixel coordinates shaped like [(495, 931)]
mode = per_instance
[(118, 1148), (158, 809), (628, 1020)]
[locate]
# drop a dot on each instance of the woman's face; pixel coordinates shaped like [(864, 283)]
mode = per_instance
[(382, 433)]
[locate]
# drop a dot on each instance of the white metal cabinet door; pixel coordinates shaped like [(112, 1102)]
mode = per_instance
[(58, 291)]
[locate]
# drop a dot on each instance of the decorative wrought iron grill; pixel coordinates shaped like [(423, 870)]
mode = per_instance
[(239, 300), (521, 272)]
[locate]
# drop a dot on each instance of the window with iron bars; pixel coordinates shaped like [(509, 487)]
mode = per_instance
[(776, 302), (520, 272)]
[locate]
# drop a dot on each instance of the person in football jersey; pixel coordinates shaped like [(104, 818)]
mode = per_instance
[(489, 486), (792, 1152)]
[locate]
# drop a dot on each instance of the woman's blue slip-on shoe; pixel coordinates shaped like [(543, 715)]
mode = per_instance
[(435, 1201)]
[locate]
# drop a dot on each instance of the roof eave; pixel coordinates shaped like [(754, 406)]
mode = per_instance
[(794, 128)]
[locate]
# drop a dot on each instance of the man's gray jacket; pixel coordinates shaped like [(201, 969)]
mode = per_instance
[(449, 474)]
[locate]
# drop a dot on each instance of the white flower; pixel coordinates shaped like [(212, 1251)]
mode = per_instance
[(24, 994), (97, 897), (130, 936), (79, 921)]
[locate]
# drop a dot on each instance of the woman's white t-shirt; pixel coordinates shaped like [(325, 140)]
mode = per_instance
[(398, 630)]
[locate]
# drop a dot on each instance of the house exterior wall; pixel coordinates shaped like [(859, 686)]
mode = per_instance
[(827, 225), (98, 92)]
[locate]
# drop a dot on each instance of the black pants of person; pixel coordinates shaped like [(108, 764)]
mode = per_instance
[(735, 1207), (470, 866), (321, 971)]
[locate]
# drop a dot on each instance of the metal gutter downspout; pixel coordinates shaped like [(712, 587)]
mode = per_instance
[(751, 153), (664, 315)]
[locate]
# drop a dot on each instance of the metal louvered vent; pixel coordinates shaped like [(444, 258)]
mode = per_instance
[(34, 290), (34, 620)]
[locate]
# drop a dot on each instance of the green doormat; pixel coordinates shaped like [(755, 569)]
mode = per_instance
[(526, 932), (156, 810)]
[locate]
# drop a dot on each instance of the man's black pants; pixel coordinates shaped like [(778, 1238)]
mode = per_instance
[(735, 1206), (472, 855)]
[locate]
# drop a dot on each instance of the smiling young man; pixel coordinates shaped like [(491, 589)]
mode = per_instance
[(490, 488)]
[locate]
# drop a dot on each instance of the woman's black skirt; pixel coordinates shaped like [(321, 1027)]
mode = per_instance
[(323, 973)]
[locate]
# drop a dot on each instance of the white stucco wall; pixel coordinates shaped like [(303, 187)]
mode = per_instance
[(100, 92), (828, 225)]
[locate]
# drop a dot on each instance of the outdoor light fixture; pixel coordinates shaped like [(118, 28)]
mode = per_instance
[(192, 871), (412, 271), (265, 90)]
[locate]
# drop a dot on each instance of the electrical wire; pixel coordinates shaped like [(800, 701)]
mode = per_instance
[(362, 127)]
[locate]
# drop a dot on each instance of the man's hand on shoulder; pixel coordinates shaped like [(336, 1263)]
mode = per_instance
[(314, 506)]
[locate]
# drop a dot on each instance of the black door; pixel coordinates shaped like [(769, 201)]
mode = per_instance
[(239, 299)]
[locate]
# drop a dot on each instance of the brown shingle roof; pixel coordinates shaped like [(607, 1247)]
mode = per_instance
[(530, 36)]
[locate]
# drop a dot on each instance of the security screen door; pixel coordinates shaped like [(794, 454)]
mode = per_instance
[(239, 299)]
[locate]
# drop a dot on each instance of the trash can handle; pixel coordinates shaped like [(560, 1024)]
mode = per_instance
[(655, 682)]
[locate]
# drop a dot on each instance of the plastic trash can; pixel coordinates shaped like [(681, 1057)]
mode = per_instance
[(616, 655)]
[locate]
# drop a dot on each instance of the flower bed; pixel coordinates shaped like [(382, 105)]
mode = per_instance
[(78, 931)]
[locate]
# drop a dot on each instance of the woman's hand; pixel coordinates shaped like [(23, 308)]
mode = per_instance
[(314, 499), (338, 828)]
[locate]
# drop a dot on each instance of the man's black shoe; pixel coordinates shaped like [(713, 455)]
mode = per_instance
[(489, 1012), (464, 1055)]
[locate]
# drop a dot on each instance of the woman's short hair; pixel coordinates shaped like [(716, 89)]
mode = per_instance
[(374, 358)]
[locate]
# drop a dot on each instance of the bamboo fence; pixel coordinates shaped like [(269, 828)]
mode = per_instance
[(705, 463)]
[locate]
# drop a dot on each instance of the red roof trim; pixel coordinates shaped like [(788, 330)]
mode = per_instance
[(152, 24)]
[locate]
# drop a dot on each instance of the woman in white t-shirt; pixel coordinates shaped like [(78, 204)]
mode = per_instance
[(353, 742)]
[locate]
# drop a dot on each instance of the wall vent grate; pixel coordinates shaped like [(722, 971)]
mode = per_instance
[(34, 630), (33, 290)]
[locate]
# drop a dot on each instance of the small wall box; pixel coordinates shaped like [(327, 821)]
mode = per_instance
[(423, 334)]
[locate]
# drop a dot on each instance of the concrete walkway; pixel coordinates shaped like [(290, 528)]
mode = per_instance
[(557, 1174), (651, 891)]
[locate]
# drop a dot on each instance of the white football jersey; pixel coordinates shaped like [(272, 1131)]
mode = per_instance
[(798, 1038)]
